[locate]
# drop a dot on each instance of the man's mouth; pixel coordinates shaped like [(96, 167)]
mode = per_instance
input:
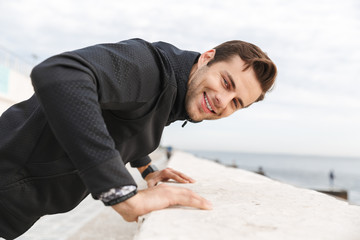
[(208, 104)]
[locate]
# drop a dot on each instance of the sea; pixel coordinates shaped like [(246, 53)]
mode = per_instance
[(305, 171)]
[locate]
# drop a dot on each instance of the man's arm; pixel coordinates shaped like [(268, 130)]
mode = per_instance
[(67, 91)]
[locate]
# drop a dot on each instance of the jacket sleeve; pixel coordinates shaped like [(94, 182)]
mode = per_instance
[(141, 162), (68, 93)]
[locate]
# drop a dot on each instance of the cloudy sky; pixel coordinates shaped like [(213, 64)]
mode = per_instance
[(315, 105)]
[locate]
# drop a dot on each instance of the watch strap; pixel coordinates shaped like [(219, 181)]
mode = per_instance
[(149, 169), (117, 195)]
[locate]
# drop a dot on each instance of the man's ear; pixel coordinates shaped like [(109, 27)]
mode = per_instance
[(206, 57)]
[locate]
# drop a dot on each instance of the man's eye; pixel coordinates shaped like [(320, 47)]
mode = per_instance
[(235, 103), (226, 83)]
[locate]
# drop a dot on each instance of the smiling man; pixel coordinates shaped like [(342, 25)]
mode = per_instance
[(227, 86), (98, 108)]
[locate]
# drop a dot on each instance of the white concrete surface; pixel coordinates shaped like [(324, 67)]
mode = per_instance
[(61, 226), (249, 206)]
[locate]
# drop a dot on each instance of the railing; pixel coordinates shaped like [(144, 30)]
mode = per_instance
[(14, 62)]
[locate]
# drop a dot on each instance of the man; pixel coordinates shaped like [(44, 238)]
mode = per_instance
[(98, 108)]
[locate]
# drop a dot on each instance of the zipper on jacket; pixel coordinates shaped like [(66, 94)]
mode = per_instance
[(183, 125)]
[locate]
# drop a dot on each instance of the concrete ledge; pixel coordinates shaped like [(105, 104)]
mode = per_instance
[(249, 206)]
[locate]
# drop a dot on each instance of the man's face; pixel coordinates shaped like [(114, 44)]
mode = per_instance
[(219, 90)]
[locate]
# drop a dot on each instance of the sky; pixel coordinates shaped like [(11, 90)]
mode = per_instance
[(314, 107)]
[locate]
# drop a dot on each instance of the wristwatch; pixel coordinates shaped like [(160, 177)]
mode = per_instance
[(117, 195), (151, 168)]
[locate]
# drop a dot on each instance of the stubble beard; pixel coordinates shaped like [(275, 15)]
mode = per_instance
[(191, 104)]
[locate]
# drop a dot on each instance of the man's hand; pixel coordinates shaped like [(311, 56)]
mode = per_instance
[(159, 197), (164, 175)]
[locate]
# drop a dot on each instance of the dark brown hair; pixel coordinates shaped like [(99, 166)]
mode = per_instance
[(265, 70)]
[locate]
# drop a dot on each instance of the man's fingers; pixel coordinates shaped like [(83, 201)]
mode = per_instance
[(159, 197), (177, 176), (194, 200), (186, 197), (183, 176), (166, 174)]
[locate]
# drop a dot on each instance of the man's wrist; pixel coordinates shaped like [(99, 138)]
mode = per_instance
[(150, 169), (117, 195)]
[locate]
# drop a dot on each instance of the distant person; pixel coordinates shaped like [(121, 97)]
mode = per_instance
[(233, 164), (260, 171), (168, 152), (98, 108), (331, 178)]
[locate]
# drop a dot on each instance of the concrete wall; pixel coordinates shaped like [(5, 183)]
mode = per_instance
[(249, 206)]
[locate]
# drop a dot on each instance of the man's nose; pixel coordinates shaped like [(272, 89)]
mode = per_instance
[(222, 99)]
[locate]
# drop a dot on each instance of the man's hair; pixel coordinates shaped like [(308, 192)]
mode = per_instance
[(265, 70)]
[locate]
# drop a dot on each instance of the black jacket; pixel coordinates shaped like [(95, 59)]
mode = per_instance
[(94, 110)]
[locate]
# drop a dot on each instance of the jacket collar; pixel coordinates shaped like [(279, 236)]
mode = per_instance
[(181, 63)]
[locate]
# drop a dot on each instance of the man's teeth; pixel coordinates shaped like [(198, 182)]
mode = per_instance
[(207, 104)]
